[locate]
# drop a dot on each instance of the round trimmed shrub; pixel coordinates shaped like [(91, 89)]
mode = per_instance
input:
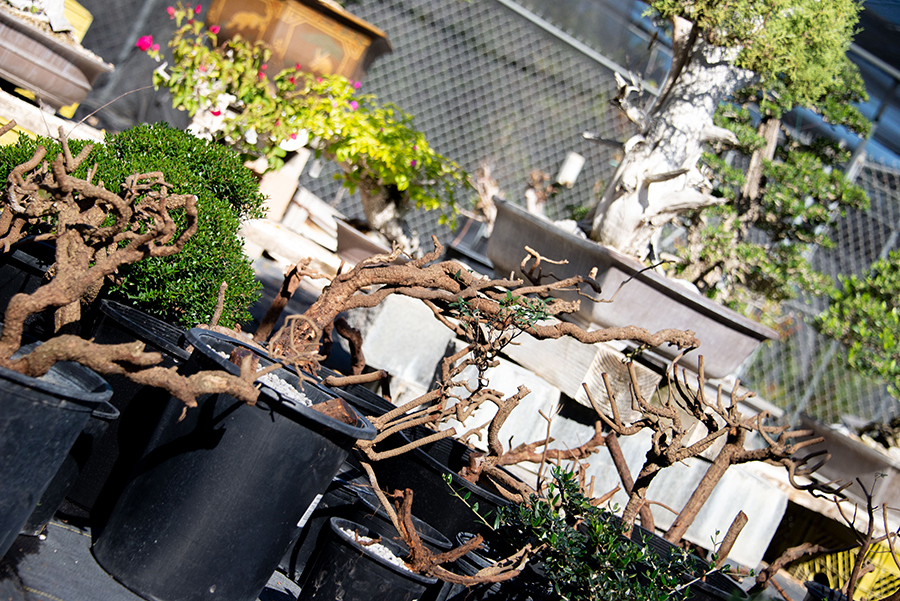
[(182, 288)]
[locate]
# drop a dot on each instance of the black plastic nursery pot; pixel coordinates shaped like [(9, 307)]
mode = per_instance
[(113, 455), (23, 271), (340, 501), (40, 419), (352, 501), (94, 472), (344, 569), (216, 499)]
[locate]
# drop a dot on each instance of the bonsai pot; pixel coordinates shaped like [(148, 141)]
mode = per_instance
[(214, 502), (58, 73), (648, 300), (852, 459), (40, 419), (320, 36), (347, 570)]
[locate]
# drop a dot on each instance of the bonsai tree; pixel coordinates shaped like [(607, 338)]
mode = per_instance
[(178, 287), (378, 149), (770, 56), (722, 423), (95, 232)]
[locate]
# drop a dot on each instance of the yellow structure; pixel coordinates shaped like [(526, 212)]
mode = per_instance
[(877, 584)]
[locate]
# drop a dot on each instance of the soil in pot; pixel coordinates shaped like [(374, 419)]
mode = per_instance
[(40, 419), (215, 501), (347, 570)]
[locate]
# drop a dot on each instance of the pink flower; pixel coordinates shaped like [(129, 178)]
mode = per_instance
[(319, 79), (354, 105), (261, 75), (356, 85), (171, 11), (292, 80), (155, 47), (215, 113), (415, 147), (277, 122), (214, 29), (144, 43), (197, 10), (412, 163), (293, 136), (202, 68), (297, 66), (263, 67)]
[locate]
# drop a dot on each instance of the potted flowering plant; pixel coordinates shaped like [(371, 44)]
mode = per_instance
[(227, 88)]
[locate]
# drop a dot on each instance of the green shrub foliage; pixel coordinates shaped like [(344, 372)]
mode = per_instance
[(864, 314), (584, 553), (182, 288)]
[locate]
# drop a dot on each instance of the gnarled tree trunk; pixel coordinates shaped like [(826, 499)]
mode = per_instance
[(384, 215), (658, 178)]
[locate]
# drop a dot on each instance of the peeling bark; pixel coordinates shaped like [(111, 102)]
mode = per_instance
[(638, 200)]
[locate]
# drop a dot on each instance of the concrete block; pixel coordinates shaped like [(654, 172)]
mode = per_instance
[(405, 339)]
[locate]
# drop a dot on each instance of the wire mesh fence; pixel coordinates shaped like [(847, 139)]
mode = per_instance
[(809, 372), (489, 87)]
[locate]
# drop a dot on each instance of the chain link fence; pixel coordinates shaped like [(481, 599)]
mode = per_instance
[(492, 88), (512, 85)]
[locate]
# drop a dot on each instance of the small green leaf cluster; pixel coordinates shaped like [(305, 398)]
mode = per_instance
[(583, 550), (263, 114), (864, 314), (182, 288), (762, 244)]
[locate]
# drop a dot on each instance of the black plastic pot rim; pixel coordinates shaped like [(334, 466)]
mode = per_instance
[(197, 337), (119, 313), (338, 523), (60, 384)]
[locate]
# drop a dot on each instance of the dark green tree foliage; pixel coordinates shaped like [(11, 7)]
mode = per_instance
[(755, 246), (584, 553), (864, 314), (182, 288)]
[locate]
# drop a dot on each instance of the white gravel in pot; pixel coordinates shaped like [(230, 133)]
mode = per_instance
[(376, 548), (282, 387)]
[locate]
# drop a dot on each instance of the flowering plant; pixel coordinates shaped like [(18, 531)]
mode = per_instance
[(264, 114)]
